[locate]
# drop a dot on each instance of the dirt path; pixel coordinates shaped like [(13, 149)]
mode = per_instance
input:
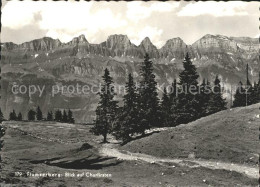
[(112, 151)]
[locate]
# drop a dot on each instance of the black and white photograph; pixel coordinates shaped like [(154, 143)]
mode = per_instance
[(129, 94)]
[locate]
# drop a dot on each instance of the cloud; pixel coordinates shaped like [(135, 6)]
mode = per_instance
[(217, 9), (17, 14), (61, 19), (152, 32), (138, 10)]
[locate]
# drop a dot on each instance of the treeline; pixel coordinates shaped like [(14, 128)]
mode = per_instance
[(247, 94), (185, 101), (32, 115)]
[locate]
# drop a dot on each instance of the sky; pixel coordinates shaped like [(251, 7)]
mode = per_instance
[(160, 21)]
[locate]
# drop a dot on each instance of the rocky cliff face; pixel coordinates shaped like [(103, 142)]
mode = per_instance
[(175, 49), (146, 46), (49, 62)]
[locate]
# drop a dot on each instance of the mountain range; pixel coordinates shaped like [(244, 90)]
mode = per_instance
[(48, 61)]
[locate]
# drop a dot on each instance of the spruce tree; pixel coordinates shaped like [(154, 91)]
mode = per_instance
[(240, 97), (253, 94), (173, 100), (12, 115), (205, 93), (249, 93), (70, 117), (174, 92), (64, 117), (31, 115), (166, 109), (58, 116), (38, 114), (258, 90), (50, 116), (216, 101), (106, 109), (148, 103), (188, 100), (127, 118), (19, 117), (1, 116)]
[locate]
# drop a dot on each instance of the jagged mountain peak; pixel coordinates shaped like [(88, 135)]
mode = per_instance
[(80, 39), (118, 41), (147, 47), (8, 45), (118, 38), (41, 44), (174, 44), (146, 40), (146, 43)]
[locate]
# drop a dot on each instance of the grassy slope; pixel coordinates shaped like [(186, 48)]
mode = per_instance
[(230, 136), (53, 147)]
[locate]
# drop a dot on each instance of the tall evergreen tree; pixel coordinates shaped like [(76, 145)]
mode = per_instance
[(106, 109), (12, 115), (205, 93), (173, 100), (188, 100), (31, 115), (19, 117), (258, 90), (70, 117), (148, 97), (174, 91), (38, 114), (253, 94), (64, 116), (58, 116), (166, 109), (216, 102), (1, 116), (50, 116), (240, 97), (127, 119)]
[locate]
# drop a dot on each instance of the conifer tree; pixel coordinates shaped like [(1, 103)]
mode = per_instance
[(12, 115), (216, 101), (50, 116), (253, 94), (38, 114), (174, 92), (64, 117), (106, 109), (239, 97), (173, 99), (1, 116), (127, 118), (31, 115), (148, 97), (258, 90), (58, 116), (166, 109), (70, 117), (19, 117), (188, 100), (205, 94)]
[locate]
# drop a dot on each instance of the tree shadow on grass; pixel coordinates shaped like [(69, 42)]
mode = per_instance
[(139, 137), (84, 163), (90, 162)]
